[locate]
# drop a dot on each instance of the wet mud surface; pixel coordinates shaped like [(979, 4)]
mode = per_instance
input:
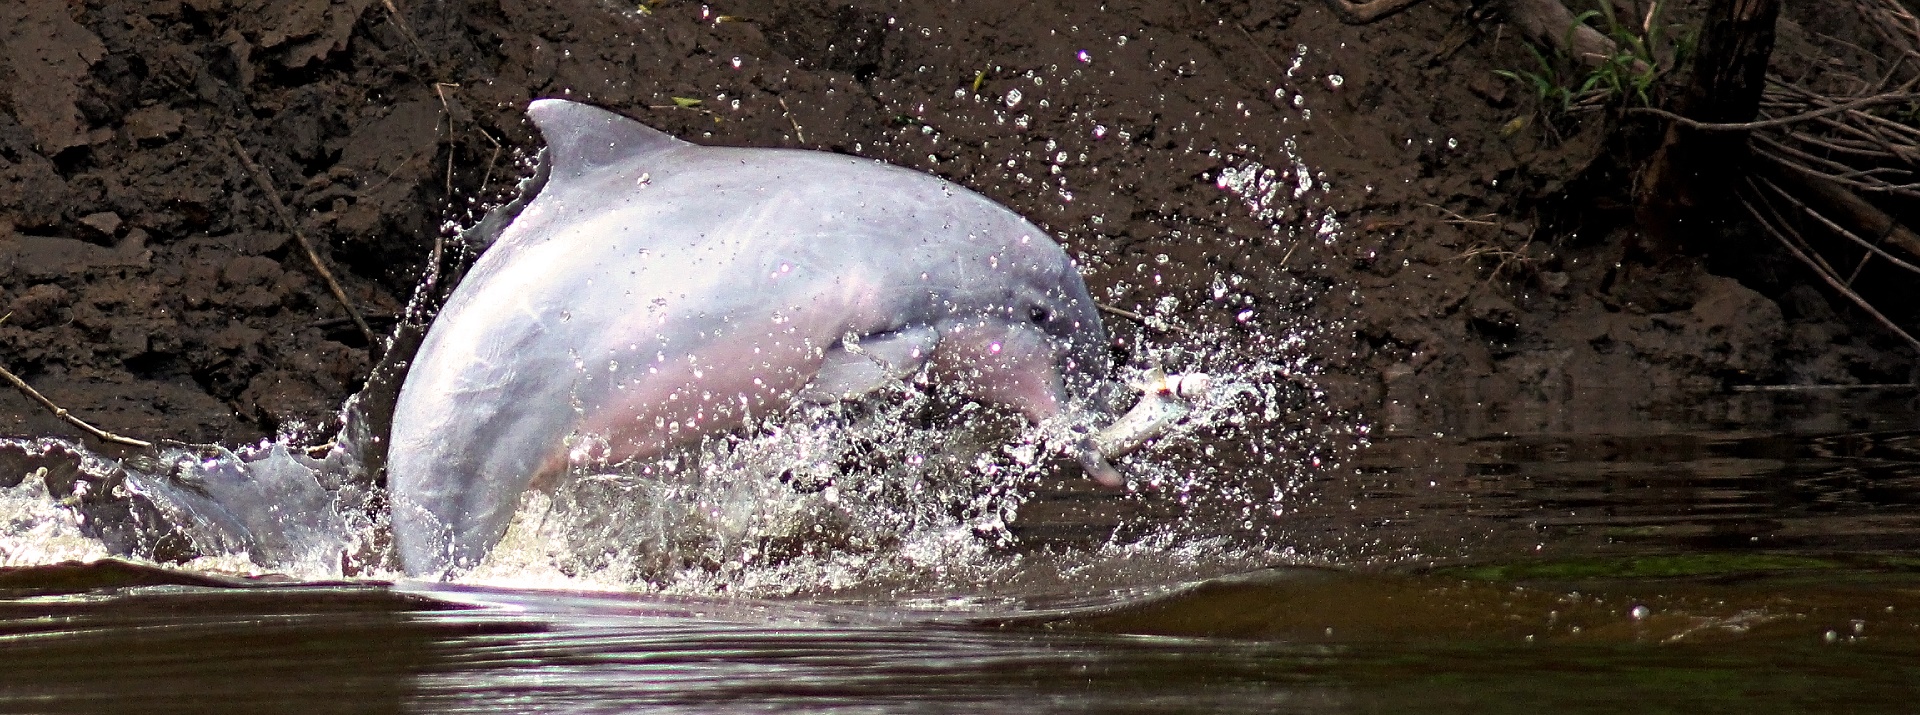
[(1359, 175)]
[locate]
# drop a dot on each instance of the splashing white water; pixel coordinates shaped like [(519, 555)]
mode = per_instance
[(36, 529)]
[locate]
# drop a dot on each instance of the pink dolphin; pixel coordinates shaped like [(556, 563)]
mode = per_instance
[(653, 291)]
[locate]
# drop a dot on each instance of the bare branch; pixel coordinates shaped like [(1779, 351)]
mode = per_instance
[(265, 183), (1780, 229), (61, 412), (1862, 103)]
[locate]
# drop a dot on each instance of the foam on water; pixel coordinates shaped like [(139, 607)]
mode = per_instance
[(36, 529)]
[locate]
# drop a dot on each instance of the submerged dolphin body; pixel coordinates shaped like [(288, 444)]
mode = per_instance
[(654, 291)]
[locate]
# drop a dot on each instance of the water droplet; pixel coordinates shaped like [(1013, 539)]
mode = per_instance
[(994, 348), (1639, 612), (1336, 80), (1084, 56), (1099, 130), (1244, 316), (736, 63), (1013, 97)]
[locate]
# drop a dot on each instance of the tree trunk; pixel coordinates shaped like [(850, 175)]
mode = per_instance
[(1693, 167)]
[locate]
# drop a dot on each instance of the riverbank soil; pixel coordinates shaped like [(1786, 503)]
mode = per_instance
[(1257, 160)]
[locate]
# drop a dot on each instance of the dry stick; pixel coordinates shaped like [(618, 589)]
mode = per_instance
[(1837, 228), (1824, 388), (265, 183), (1873, 101), (61, 412), (1257, 49), (439, 237), (1459, 219), (1794, 157), (1825, 274), (802, 138), (439, 90), (1850, 147), (1161, 325), (488, 177)]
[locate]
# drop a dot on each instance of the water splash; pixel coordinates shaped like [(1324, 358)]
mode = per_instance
[(267, 508), (36, 529)]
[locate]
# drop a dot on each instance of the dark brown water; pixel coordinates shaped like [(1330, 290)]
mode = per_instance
[(1751, 555)]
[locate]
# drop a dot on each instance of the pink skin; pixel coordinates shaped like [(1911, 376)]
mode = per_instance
[(1015, 365), (651, 282)]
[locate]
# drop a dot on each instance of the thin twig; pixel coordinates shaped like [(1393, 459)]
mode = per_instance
[(61, 412), (1459, 219), (440, 90), (797, 135), (1864, 102), (1258, 50), (487, 178), (1155, 323), (265, 183), (1825, 388), (1837, 228), (1781, 229)]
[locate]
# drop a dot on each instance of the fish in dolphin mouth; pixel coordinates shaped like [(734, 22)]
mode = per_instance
[(650, 291)]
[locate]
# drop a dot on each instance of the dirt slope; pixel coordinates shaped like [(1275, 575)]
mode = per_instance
[(1367, 175)]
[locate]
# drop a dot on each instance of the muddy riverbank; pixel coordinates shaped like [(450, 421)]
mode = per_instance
[(1253, 161)]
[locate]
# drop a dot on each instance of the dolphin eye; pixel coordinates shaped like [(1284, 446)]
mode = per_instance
[(1039, 314)]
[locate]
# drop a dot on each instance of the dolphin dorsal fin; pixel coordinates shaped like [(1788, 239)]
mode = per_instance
[(581, 138)]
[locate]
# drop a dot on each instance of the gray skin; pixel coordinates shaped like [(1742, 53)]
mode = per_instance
[(655, 291)]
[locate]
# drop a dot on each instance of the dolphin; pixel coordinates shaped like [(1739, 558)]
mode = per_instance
[(652, 291)]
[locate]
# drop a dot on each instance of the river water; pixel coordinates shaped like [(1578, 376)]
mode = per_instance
[(1753, 552)]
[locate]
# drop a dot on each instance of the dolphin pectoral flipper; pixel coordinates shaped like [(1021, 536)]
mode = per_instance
[(858, 366)]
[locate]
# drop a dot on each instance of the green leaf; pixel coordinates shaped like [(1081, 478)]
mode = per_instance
[(684, 102)]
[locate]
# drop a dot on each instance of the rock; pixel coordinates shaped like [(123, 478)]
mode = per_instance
[(45, 258), (1555, 282), (40, 306), (50, 54), (106, 222), (153, 124)]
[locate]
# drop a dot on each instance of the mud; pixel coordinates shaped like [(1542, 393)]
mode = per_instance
[(1471, 266)]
